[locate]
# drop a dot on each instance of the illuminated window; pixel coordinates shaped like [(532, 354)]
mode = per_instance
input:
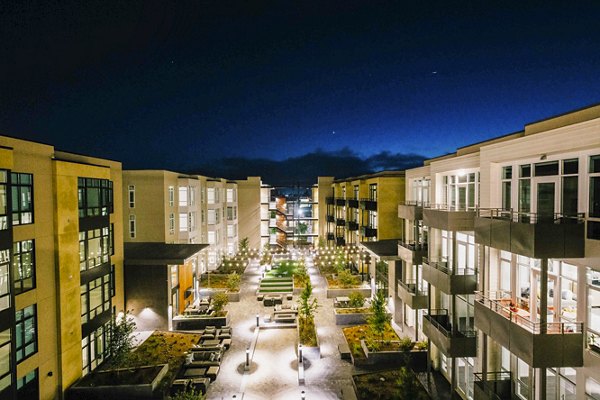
[(132, 226), (131, 196), (23, 266), (22, 198), (25, 332)]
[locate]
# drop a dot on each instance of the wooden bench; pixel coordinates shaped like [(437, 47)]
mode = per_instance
[(344, 351)]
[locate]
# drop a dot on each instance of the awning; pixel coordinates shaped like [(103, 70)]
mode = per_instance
[(156, 253), (383, 249)]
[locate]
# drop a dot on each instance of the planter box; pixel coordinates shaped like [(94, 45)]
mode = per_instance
[(351, 319), (81, 390), (192, 323), (312, 353), (416, 358), (233, 297), (332, 293)]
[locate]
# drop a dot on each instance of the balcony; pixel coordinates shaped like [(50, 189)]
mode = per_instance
[(410, 294), (531, 235), (340, 241), (368, 231), (368, 204), (329, 200), (448, 218), (352, 203), (330, 236), (411, 210), (412, 252), (494, 386), (352, 226), (340, 202), (340, 222), (452, 342), (330, 218), (512, 327), (448, 278)]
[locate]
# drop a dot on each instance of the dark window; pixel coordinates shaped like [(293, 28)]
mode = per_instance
[(546, 168), (506, 193), (94, 348), (4, 282), (569, 195), (570, 167), (28, 386), (524, 195), (595, 196), (593, 230), (373, 192), (525, 171), (507, 173), (112, 281), (24, 266), (112, 239), (95, 298), (25, 332), (3, 200), (94, 248), (22, 198), (95, 197), (5, 359), (595, 164)]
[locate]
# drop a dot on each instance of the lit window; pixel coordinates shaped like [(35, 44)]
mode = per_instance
[(183, 196), (183, 222), (23, 266), (171, 196), (22, 198), (132, 226), (131, 196), (26, 332)]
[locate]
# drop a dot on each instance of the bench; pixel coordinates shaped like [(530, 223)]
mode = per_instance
[(212, 373), (344, 351), (200, 384), (289, 317)]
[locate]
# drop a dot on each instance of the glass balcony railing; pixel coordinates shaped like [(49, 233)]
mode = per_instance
[(447, 266)]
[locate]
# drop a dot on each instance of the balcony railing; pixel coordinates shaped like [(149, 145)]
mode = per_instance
[(493, 385), (540, 345), (411, 295), (330, 200), (352, 203), (340, 241), (330, 218), (453, 341), (412, 246), (340, 222), (367, 231), (440, 319), (340, 202), (330, 236), (446, 266), (368, 204), (411, 286), (414, 203), (449, 217), (352, 226), (529, 234)]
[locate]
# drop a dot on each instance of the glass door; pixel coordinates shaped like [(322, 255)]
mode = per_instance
[(546, 199)]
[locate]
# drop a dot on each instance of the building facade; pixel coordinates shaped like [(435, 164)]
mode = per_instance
[(61, 260), (500, 262)]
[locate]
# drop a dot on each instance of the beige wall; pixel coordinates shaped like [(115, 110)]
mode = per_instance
[(249, 210)]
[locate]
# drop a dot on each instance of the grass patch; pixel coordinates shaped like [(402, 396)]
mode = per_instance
[(307, 332), (216, 281), (334, 283), (364, 310)]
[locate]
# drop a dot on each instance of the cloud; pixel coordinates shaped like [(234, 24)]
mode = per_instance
[(303, 170)]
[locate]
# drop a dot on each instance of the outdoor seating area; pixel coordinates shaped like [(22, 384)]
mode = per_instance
[(201, 308), (270, 300)]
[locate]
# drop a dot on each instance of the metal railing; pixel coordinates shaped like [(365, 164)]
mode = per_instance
[(412, 286), (529, 217), (447, 266), (412, 246), (414, 203), (488, 383), (450, 207), (502, 303), (441, 313)]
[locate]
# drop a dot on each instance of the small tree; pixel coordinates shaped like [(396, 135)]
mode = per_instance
[(219, 300), (190, 394), (357, 300), (301, 274), (306, 310), (244, 245), (346, 278), (408, 386), (379, 319), (233, 282), (121, 340)]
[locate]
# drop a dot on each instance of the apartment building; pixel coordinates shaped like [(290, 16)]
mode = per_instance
[(364, 208), (500, 262), (165, 207), (61, 265)]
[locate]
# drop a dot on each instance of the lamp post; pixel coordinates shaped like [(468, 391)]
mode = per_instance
[(247, 367), (300, 353), (257, 320), (303, 395)]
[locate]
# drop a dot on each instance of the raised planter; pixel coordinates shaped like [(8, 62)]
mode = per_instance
[(364, 290), (351, 318), (309, 351), (91, 386), (416, 358), (233, 297), (197, 322)]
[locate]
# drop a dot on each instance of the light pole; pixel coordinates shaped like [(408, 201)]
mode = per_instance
[(257, 320), (300, 353), (302, 395), (247, 366)]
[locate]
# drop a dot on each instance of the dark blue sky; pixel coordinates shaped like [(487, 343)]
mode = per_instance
[(182, 85)]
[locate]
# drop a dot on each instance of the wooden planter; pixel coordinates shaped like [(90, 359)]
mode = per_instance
[(309, 351)]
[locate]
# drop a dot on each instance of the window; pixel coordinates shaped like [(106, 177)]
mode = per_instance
[(131, 196), (5, 376), (192, 192), (132, 226), (113, 281), (183, 222), (25, 332), (174, 276), (460, 190), (230, 231), (356, 192), (212, 237), (94, 247), (595, 186), (28, 386), (95, 197), (191, 221), (211, 195), (24, 266), (506, 188), (95, 298), (373, 192), (231, 213), (3, 200), (93, 348), (373, 219), (183, 196), (212, 217), (524, 195), (171, 223), (546, 168), (22, 198), (4, 283), (171, 196), (230, 195)]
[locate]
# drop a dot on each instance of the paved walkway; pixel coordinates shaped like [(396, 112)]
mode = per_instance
[(273, 373)]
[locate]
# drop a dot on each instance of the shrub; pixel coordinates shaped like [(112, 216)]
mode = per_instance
[(357, 300), (306, 304), (346, 278), (421, 345), (379, 318), (408, 386), (406, 344), (188, 395), (219, 300), (233, 282), (121, 340), (301, 275)]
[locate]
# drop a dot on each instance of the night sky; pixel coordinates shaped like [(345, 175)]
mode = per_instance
[(235, 88)]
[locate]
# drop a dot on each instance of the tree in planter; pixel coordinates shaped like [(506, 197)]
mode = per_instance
[(301, 274), (244, 245), (346, 278), (233, 282), (379, 319), (121, 340), (357, 300), (408, 386), (307, 305), (188, 395), (219, 301)]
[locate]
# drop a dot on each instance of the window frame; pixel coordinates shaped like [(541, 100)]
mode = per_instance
[(16, 206), (17, 255), (21, 350)]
